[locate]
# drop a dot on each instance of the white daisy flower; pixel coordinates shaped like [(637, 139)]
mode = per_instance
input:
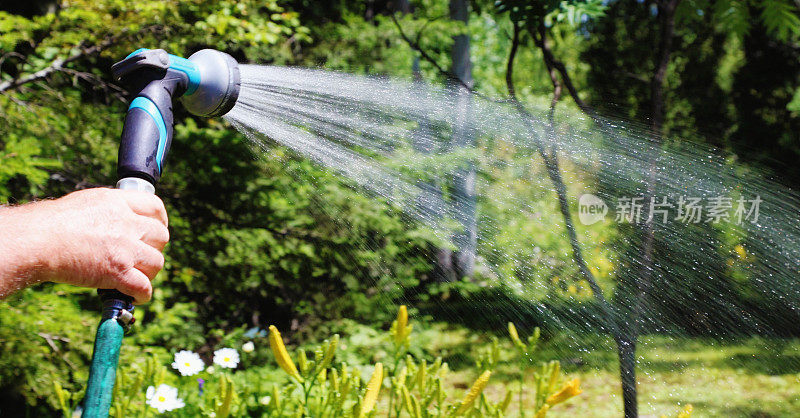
[(226, 357), (188, 363), (210, 369), (248, 347), (164, 398)]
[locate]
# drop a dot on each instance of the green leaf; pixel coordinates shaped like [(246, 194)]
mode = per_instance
[(781, 18)]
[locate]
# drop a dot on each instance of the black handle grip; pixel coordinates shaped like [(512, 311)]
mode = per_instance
[(147, 134)]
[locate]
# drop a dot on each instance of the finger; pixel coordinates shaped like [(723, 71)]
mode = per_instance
[(148, 260), (153, 233), (146, 204), (135, 284)]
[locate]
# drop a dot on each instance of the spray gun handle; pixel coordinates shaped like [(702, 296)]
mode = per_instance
[(147, 133), (155, 78)]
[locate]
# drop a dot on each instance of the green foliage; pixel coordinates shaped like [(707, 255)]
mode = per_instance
[(794, 105), (43, 338), (780, 17), (734, 15), (20, 158), (536, 13), (318, 383), (372, 45), (272, 238)]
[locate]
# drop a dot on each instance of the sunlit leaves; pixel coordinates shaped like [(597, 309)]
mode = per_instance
[(733, 15), (549, 12), (781, 17), (22, 157)]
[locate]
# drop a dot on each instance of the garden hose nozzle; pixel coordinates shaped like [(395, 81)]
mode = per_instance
[(208, 85)]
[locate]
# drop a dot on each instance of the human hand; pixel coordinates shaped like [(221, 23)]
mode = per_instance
[(101, 238)]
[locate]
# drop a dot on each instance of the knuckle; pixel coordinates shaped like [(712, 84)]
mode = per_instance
[(120, 259), (154, 201), (142, 290), (158, 261), (104, 193), (164, 237)]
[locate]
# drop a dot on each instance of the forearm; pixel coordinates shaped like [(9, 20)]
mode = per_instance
[(20, 259)]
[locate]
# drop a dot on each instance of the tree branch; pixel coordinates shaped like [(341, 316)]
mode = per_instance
[(415, 46), (57, 65), (448, 74), (512, 54), (554, 172), (551, 61), (116, 90)]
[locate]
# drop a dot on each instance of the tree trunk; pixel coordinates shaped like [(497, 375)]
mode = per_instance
[(431, 200), (464, 205), (624, 334), (626, 353), (643, 288)]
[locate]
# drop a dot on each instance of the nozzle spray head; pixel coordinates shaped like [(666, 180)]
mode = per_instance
[(207, 83), (219, 84)]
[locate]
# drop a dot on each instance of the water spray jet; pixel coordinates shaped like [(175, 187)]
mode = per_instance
[(207, 83)]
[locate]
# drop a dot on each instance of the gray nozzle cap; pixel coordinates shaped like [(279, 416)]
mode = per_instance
[(219, 84)]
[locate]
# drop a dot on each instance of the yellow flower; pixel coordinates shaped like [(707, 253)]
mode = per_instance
[(401, 329), (512, 331), (570, 389), (407, 399), (281, 355), (474, 392), (373, 388), (555, 371), (330, 352), (595, 271), (687, 412), (542, 411), (740, 251)]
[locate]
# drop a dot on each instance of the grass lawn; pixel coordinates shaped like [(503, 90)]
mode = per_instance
[(731, 380), (752, 377)]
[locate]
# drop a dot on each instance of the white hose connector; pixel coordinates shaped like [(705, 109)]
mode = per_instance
[(135, 183)]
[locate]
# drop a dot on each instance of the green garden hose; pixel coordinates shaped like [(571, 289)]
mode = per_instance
[(117, 316)]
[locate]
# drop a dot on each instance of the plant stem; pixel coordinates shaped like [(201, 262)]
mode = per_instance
[(521, 390)]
